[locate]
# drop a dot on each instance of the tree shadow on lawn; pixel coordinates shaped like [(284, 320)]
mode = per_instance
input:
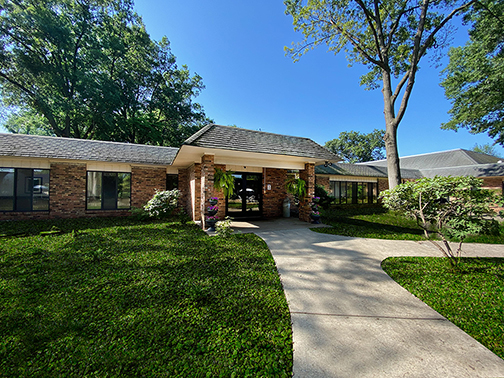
[(358, 227)]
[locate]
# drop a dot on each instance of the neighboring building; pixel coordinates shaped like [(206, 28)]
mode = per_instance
[(362, 182), (47, 177)]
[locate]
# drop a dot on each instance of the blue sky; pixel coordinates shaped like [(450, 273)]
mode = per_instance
[(237, 47)]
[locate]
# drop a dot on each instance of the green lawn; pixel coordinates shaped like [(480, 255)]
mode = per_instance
[(118, 297), (471, 298), (377, 223)]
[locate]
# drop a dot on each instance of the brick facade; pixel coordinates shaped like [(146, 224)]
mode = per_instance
[(273, 199), (494, 183), (207, 184), (67, 190), (324, 182), (308, 175), (144, 183), (220, 194)]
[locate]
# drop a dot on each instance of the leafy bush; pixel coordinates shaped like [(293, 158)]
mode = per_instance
[(451, 207), (223, 228), (162, 203), (325, 198)]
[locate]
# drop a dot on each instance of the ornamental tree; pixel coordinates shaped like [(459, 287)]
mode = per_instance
[(450, 207)]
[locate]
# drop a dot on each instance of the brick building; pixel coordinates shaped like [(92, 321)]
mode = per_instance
[(49, 177)]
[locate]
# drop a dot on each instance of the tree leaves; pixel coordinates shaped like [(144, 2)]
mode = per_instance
[(355, 147)]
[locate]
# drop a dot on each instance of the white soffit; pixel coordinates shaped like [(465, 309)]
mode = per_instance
[(352, 178), (188, 155), (34, 163)]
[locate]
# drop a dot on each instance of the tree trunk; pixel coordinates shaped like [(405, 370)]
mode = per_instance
[(391, 124)]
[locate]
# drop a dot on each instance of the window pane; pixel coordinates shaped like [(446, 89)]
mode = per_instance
[(94, 188), (362, 192), (343, 192), (171, 182), (109, 183), (6, 189), (40, 189), (123, 190), (24, 189)]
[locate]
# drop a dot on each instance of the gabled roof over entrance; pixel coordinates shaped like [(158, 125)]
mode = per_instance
[(34, 146), (234, 138)]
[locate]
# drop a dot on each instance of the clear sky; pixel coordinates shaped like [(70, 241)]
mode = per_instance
[(237, 47)]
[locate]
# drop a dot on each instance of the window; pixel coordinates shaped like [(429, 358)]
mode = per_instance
[(108, 191), (171, 181), (23, 189), (347, 192)]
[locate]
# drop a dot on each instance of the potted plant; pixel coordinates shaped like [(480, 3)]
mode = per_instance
[(213, 201), (225, 181), (315, 215), (212, 210), (211, 221)]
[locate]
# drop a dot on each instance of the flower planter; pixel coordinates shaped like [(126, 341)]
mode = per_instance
[(315, 218), (213, 202), (211, 224), (212, 212)]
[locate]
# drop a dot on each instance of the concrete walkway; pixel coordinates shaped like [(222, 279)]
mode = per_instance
[(350, 319)]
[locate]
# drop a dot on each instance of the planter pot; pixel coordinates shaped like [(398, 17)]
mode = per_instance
[(211, 224), (212, 212), (213, 202), (315, 218)]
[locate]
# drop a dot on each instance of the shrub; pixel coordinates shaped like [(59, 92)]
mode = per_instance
[(162, 203)]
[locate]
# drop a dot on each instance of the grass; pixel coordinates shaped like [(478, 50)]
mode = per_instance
[(471, 298), (378, 223), (118, 297)]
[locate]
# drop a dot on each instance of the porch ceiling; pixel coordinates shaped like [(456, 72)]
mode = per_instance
[(188, 155)]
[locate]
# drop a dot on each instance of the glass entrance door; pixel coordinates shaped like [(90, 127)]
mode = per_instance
[(246, 200)]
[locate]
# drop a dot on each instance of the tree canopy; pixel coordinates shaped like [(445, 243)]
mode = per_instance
[(486, 149), (474, 79), (389, 37), (355, 147), (90, 69)]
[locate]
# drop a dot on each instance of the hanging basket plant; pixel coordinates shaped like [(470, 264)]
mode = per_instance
[(224, 180), (296, 187)]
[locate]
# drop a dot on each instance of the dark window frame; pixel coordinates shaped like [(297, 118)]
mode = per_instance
[(31, 191), (116, 208), (349, 192)]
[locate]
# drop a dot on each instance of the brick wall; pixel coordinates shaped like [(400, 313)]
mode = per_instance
[(207, 184), (67, 190), (307, 174), (494, 183), (185, 191), (273, 199), (144, 183), (220, 194), (195, 191), (323, 181)]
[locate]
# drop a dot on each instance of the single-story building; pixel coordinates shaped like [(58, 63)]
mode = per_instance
[(50, 177), (47, 177)]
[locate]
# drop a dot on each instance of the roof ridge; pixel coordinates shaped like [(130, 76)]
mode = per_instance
[(263, 132), (199, 133), (83, 140)]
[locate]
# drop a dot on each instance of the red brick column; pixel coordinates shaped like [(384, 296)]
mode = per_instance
[(67, 190), (185, 191), (220, 194), (144, 183), (207, 184), (307, 174), (273, 198), (195, 183)]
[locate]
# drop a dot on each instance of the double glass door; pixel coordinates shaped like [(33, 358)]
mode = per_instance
[(246, 200)]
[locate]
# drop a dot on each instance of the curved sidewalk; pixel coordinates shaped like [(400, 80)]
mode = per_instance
[(350, 319)]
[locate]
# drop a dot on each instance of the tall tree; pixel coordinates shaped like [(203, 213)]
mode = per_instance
[(92, 71), (390, 37), (474, 79), (486, 149), (355, 147)]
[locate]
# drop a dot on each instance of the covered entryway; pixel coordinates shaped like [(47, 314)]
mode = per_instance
[(246, 200)]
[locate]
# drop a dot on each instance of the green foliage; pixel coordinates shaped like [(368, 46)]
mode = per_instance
[(451, 207), (325, 198), (474, 76), (162, 203), (91, 71), (486, 149), (355, 147), (296, 187), (223, 228), (472, 297), (225, 181), (26, 121), (119, 297)]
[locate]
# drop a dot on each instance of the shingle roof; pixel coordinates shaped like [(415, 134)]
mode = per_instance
[(479, 170), (21, 145), (234, 138), (346, 169), (451, 158)]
